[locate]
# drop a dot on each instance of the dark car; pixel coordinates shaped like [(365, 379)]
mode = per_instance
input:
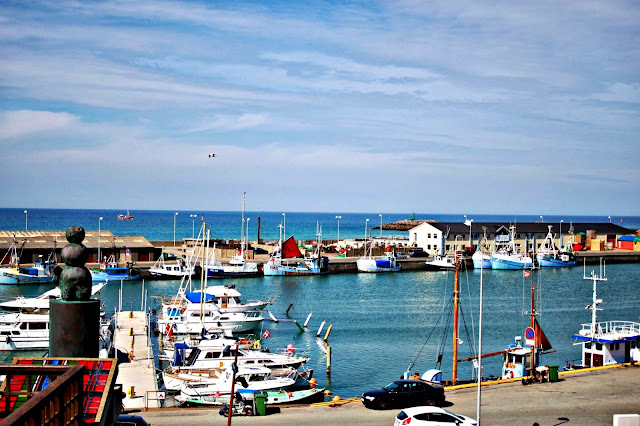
[(418, 253), (404, 393)]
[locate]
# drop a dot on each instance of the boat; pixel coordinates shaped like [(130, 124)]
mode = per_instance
[(441, 263), (42, 271), (109, 269), (220, 383), (177, 269), (482, 257), (237, 267), (228, 299), (606, 342), (524, 361), (29, 331), (508, 257), (313, 264), (39, 304), (548, 255), (273, 397), (125, 217), (384, 263)]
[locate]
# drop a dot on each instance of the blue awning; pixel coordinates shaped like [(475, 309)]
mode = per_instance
[(609, 341), (194, 297)]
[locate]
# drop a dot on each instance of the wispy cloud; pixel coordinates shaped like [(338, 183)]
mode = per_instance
[(15, 124)]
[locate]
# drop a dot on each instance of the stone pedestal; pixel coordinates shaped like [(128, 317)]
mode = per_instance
[(74, 328)]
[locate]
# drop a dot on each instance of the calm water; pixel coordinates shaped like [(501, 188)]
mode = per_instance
[(157, 225), (381, 322)]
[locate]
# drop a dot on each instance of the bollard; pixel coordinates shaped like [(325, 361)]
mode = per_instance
[(299, 326), (328, 359), (320, 329), (326, 336), (132, 343), (308, 318), (131, 314), (290, 305), (131, 331)]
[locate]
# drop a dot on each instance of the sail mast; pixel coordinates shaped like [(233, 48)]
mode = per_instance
[(242, 236), (455, 323), (533, 319)]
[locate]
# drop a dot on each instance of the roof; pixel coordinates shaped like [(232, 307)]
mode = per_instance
[(529, 227), (45, 239)]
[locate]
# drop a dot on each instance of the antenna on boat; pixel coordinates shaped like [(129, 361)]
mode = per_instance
[(593, 307)]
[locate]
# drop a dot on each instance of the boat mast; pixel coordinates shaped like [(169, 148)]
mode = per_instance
[(533, 313), (455, 323), (242, 234)]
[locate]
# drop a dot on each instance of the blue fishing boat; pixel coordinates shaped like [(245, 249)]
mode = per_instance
[(508, 257), (110, 270), (42, 271), (548, 255)]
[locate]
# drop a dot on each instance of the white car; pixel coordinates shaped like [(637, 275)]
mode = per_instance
[(433, 416)]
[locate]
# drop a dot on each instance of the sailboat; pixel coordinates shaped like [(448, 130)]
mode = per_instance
[(481, 257), (237, 267), (125, 217), (370, 263), (314, 264)]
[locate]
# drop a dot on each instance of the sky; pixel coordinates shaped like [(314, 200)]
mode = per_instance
[(501, 107)]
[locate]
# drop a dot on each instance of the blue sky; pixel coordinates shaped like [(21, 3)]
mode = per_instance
[(398, 106)]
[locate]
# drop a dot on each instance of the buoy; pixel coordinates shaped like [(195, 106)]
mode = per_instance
[(131, 314), (313, 381), (327, 392), (336, 398), (291, 348)]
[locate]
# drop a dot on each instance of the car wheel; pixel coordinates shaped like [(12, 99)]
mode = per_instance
[(431, 402), (383, 405)]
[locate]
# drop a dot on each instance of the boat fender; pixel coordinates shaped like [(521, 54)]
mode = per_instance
[(256, 345)]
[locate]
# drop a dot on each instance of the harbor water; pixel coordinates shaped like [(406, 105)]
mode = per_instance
[(383, 322)]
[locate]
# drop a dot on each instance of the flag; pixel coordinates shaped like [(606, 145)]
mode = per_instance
[(266, 334), (527, 274)]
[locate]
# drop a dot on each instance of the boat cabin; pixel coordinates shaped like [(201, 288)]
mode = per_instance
[(614, 342)]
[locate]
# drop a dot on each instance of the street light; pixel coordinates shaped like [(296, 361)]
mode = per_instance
[(366, 225), (560, 240), (284, 225), (541, 219), (193, 225), (338, 217), (25, 220), (99, 221), (174, 229), (609, 217), (380, 224)]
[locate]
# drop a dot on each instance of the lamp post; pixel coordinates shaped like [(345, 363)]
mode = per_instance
[(541, 219), (366, 226), (193, 225), (560, 240), (99, 221), (609, 217), (247, 234), (338, 217), (25, 220), (284, 225), (174, 229), (380, 224)]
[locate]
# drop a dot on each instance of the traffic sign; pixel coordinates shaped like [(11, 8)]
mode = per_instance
[(529, 335)]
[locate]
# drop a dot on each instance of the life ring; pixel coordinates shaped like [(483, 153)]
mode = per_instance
[(167, 328), (256, 345), (509, 375)]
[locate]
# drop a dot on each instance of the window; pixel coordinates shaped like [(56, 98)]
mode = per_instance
[(37, 326), (517, 235), (429, 235), (598, 346), (428, 246)]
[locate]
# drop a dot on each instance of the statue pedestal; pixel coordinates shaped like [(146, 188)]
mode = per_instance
[(74, 329)]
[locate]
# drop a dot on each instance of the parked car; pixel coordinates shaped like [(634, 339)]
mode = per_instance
[(404, 393), (130, 420), (418, 253), (401, 255), (434, 416)]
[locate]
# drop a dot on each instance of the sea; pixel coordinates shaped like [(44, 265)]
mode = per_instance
[(381, 324)]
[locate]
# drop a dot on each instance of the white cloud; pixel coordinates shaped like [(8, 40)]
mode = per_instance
[(621, 92), (229, 123), (24, 122)]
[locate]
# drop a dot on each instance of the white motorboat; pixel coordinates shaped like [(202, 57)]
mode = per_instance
[(219, 383), (441, 263), (167, 269), (228, 299), (607, 342), (39, 304)]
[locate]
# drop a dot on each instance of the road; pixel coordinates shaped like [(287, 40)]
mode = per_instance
[(586, 398)]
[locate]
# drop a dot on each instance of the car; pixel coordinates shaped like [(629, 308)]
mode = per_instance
[(434, 416), (418, 253), (404, 393), (130, 420), (401, 255)]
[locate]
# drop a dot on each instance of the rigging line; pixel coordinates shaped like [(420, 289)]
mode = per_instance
[(433, 329), (473, 329), (443, 342), (466, 329)]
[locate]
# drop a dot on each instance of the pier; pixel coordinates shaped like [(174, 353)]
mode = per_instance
[(137, 374)]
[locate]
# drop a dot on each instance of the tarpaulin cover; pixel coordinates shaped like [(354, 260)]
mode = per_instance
[(194, 297)]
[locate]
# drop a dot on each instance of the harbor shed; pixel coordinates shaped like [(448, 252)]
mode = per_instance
[(627, 242)]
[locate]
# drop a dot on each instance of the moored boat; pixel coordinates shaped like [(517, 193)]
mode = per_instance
[(508, 257), (110, 270), (441, 263), (177, 269), (42, 271), (549, 256), (314, 264)]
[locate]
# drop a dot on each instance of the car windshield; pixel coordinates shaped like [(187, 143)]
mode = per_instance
[(391, 386), (452, 414)]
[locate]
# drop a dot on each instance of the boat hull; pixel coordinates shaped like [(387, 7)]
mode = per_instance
[(375, 265), (547, 261), (102, 276), (230, 271), (509, 263), (275, 270), (15, 278)]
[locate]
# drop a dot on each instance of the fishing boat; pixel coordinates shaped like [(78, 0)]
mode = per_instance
[(508, 257), (548, 255), (313, 264), (482, 256), (109, 269), (441, 263), (384, 263), (237, 267), (273, 397), (42, 271), (176, 269), (605, 342), (125, 216)]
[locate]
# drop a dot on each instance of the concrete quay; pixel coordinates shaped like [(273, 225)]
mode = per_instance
[(589, 397)]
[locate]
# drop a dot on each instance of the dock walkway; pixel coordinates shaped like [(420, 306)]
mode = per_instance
[(137, 375)]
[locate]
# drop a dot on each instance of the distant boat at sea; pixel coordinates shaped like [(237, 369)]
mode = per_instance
[(125, 217)]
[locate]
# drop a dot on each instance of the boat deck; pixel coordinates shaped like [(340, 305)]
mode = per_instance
[(139, 372)]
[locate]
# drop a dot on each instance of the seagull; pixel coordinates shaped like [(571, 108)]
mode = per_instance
[(211, 155)]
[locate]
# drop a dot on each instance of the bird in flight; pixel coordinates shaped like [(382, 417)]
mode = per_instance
[(211, 155)]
